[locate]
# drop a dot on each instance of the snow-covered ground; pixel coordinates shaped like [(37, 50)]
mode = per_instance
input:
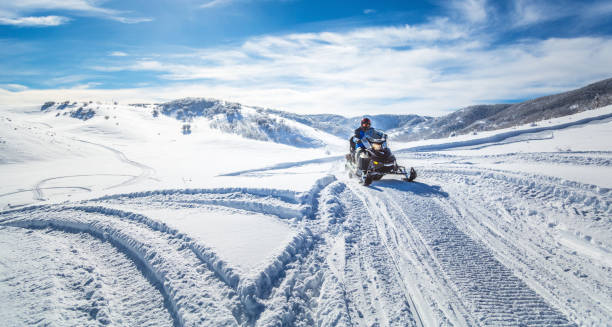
[(122, 219)]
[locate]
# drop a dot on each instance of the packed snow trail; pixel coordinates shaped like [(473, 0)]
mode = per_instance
[(488, 290), (553, 233), (198, 287), (464, 246), (458, 253), (67, 278)]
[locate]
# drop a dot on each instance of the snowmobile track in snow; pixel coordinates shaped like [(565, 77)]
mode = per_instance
[(145, 172), (528, 208), (473, 284), (168, 262), (190, 276), (489, 290), (38, 189), (393, 254), (89, 281)]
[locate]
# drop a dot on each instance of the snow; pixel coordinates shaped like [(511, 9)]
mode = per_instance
[(127, 221), (243, 239), (70, 279)]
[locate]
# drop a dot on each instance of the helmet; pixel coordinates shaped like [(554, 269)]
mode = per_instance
[(365, 121)]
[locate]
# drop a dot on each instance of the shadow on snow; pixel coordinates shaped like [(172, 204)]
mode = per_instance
[(417, 188)]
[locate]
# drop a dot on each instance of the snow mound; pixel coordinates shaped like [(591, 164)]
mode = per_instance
[(253, 123), (80, 111)]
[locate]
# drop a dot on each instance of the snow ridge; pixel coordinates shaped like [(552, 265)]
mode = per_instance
[(226, 274), (552, 232), (140, 251), (253, 123), (93, 283), (156, 245), (503, 136)]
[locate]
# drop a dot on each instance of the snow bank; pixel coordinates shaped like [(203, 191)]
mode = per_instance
[(500, 137)]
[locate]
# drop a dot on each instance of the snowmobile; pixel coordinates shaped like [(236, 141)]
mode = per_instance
[(375, 161)]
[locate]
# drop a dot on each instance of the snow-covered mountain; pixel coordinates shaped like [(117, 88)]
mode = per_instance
[(250, 122), (276, 125), (317, 131), (470, 119), (227, 117), (201, 212), (125, 220), (497, 116), (343, 127)]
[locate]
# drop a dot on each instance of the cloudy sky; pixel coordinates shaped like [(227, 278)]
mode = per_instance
[(349, 57)]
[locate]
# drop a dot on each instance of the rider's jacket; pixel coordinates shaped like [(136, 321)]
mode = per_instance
[(362, 134)]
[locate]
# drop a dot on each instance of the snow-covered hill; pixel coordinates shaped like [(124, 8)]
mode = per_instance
[(227, 117), (323, 130), (344, 127), (492, 117), (468, 120), (122, 219), (253, 123)]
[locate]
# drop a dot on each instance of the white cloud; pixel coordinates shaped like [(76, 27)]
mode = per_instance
[(216, 3), (474, 11), (40, 21), (426, 69), (86, 86), (131, 20), (529, 13), (73, 5), (118, 54), (13, 87), (18, 11), (369, 11)]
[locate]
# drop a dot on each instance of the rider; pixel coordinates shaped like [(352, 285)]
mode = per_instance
[(365, 130)]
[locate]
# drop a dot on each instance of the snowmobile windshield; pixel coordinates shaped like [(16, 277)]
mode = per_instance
[(379, 140)]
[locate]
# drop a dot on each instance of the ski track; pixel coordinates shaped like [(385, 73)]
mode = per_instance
[(47, 188), (145, 172), (500, 138), (393, 254), (600, 159), (37, 190)]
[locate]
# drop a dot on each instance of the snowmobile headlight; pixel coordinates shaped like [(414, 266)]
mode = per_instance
[(377, 146)]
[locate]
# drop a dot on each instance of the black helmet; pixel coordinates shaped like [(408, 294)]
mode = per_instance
[(365, 121)]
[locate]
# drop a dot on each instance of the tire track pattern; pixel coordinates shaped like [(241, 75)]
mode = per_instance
[(76, 277), (186, 283), (375, 291), (491, 291), (526, 220), (198, 287)]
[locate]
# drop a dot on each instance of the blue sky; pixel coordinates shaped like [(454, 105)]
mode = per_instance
[(347, 57)]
